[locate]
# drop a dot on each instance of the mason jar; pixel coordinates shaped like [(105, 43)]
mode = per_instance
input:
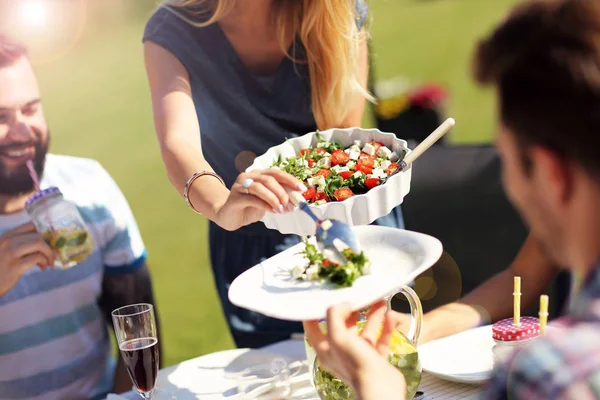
[(61, 225), (509, 337)]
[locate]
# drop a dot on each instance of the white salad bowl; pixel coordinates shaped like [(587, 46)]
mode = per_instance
[(360, 209)]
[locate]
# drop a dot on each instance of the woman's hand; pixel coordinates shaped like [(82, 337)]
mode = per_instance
[(362, 360), (254, 194)]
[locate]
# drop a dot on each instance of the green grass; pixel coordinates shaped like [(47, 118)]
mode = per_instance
[(97, 105)]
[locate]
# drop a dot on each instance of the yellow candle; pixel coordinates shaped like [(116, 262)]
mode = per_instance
[(543, 313), (517, 301)]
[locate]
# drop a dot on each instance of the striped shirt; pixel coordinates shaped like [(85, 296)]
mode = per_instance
[(565, 364), (54, 340)]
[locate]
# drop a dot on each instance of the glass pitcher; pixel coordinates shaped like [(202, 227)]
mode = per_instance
[(403, 356)]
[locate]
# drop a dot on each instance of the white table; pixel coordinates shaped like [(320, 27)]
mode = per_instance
[(205, 377)]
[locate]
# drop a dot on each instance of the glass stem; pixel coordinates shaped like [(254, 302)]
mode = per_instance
[(146, 396)]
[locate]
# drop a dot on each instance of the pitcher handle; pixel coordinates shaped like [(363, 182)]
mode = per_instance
[(416, 312)]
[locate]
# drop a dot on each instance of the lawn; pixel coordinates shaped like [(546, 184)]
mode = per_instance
[(97, 105)]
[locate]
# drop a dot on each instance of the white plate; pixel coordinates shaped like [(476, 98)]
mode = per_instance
[(464, 357), (357, 210), (397, 256), (207, 377)]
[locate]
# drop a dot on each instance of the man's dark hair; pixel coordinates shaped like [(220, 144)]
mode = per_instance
[(11, 50), (545, 62)]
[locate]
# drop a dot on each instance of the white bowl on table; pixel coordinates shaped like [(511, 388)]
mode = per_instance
[(360, 209)]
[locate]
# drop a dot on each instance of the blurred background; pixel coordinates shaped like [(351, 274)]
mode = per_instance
[(88, 56)]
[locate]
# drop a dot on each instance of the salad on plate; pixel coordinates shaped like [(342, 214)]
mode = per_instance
[(319, 268), (332, 173)]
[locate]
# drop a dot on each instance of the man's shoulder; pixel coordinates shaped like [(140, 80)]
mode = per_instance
[(65, 166), (76, 173), (83, 181)]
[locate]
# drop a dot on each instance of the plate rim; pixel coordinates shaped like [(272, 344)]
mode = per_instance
[(429, 261)]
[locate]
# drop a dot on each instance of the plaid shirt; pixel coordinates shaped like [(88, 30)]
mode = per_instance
[(565, 364)]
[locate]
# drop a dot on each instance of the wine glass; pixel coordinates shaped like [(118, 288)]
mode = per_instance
[(135, 329)]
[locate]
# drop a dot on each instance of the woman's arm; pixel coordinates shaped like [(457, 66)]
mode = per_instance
[(178, 131), (178, 134)]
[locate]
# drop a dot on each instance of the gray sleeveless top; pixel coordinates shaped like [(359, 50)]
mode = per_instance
[(240, 114)]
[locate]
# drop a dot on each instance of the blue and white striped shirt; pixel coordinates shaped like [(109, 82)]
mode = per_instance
[(53, 337)]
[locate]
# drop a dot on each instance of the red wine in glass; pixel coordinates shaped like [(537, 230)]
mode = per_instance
[(141, 359), (135, 329)]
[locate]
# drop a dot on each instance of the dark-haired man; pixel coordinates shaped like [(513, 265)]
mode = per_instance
[(544, 62), (53, 338)]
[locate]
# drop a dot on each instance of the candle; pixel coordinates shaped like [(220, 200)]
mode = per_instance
[(517, 301), (543, 313)]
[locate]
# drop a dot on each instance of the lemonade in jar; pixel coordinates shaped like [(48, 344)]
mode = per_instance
[(61, 225)]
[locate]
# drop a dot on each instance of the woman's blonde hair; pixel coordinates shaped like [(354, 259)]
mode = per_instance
[(331, 38)]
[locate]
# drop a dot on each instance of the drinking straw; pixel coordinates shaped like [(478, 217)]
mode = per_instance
[(33, 174), (517, 301), (543, 313)]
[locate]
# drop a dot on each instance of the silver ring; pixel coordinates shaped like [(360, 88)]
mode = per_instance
[(246, 184)]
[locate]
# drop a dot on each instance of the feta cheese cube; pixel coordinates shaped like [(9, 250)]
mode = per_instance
[(357, 143), (366, 269), (379, 173), (312, 273), (394, 157), (311, 181), (305, 162), (347, 151), (322, 144), (297, 272), (369, 149), (385, 164), (336, 168), (384, 152), (343, 169), (324, 162), (357, 174), (354, 155), (319, 202), (326, 225), (354, 148), (351, 164), (320, 181)]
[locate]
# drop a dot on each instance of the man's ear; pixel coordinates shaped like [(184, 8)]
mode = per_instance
[(551, 174)]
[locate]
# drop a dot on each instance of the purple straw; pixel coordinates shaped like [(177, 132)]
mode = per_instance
[(33, 174)]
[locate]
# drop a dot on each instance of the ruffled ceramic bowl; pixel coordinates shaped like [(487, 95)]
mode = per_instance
[(360, 209)]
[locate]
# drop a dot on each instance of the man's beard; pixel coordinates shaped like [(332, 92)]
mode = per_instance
[(18, 181)]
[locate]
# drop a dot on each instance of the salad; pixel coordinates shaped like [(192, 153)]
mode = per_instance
[(318, 268), (332, 173)]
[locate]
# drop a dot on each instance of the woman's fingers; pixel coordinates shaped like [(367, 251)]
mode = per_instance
[(273, 186), (375, 318), (316, 337), (390, 324), (285, 179), (270, 187)]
